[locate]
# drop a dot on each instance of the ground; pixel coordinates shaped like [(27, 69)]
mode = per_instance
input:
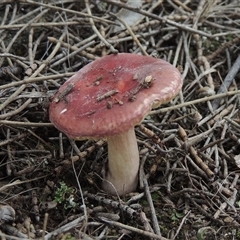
[(50, 185)]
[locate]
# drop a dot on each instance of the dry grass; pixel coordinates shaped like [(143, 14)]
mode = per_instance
[(190, 148)]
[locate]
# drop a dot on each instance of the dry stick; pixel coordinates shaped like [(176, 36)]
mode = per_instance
[(65, 228), (223, 113), (66, 163), (5, 17), (9, 55), (180, 226), (81, 194), (202, 210), (12, 97), (198, 13), (218, 112), (13, 231), (23, 28), (150, 134), (183, 5), (49, 146), (202, 164), (10, 155), (36, 79), (137, 28), (113, 50), (186, 65), (53, 53), (227, 82), (65, 10), (210, 116), (45, 225), (206, 67), (30, 46), (61, 149), (200, 76), (2, 235), (196, 139), (223, 48), (151, 205), (70, 55), (37, 43), (16, 111), (170, 176), (25, 124), (115, 204), (79, 42), (73, 48), (222, 34), (24, 17), (40, 24), (232, 122), (133, 229), (193, 152), (41, 67), (17, 182), (205, 99), (235, 181), (145, 221), (13, 139), (161, 19), (179, 9), (134, 37)]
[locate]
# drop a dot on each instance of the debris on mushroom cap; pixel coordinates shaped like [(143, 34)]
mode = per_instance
[(113, 94)]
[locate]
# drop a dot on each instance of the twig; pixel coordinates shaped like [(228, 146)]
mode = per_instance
[(36, 79), (12, 97), (227, 82), (161, 19), (51, 6), (151, 205), (25, 124), (83, 206), (110, 46), (16, 111), (134, 37), (222, 48), (193, 152), (17, 182), (74, 48), (205, 99), (180, 226), (65, 227), (15, 233), (203, 211), (112, 203), (133, 229), (40, 24)]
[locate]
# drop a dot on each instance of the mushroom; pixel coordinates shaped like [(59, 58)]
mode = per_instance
[(106, 99)]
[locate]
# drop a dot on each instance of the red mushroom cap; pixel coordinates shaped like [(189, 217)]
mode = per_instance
[(113, 94)]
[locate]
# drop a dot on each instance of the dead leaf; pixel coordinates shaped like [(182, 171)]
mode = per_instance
[(237, 160), (7, 213)]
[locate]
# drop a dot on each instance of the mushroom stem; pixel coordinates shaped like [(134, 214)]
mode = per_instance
[(123, 163)]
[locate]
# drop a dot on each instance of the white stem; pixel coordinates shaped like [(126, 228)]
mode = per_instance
[(123, 163)]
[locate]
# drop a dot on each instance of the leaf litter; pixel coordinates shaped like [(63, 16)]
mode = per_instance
[(189, 149)]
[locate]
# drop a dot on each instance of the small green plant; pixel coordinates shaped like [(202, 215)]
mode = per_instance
[(69, 237), (238, 235), (64, 194), (206, 233), (175, 216)]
